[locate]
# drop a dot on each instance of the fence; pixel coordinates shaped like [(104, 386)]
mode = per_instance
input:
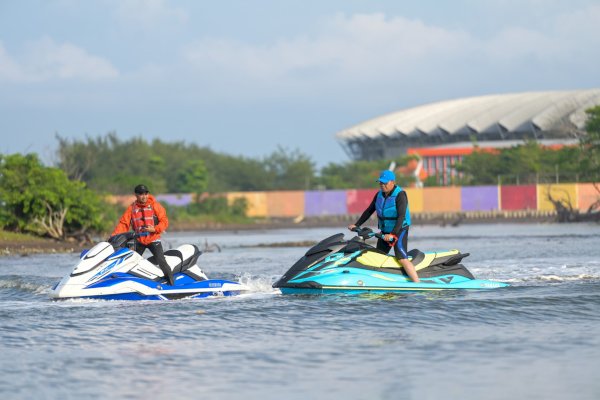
[(292, 204)]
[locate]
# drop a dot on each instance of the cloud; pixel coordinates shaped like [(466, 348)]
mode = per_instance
[(45, 60), (374, 48), (148, 14), (9, 69), (581, 25), (515, 43), (368, 53), (357, 48)]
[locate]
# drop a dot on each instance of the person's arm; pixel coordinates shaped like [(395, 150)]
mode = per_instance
[(163, 221), (401, 204), (367, 213), (124, 223)]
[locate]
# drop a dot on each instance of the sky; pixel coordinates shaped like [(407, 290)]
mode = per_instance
[(244, 77)]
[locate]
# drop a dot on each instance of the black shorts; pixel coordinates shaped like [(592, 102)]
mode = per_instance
[(400, 248)]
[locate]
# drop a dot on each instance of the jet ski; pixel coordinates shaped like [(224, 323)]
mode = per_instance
[(111, 270), (335, 265)]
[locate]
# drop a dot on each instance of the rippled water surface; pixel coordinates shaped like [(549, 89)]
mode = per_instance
[(538, 339)]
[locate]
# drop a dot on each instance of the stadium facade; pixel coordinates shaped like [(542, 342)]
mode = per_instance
[(442, 132)]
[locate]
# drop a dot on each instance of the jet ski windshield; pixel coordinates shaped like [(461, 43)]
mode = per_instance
[(120, 240), (325, 244)]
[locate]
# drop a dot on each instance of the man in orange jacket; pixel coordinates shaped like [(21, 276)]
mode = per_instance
[(147, 216)]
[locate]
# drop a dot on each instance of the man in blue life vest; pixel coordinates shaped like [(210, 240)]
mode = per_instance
[(391, 204)]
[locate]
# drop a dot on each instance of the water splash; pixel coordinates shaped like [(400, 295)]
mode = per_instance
[(259, 283)]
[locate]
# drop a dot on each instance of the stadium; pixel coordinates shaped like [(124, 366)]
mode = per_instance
[(442, 132)]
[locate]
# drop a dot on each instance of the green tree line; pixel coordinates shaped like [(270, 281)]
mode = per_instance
[(110, 164)]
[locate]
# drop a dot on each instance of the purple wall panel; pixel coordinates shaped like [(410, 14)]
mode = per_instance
[(479, 198), (176, 199), (331, 202)]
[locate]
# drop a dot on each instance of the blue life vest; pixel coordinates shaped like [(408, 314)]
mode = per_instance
[(387, 214)]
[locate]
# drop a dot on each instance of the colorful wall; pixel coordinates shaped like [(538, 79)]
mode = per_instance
[(312, 203)]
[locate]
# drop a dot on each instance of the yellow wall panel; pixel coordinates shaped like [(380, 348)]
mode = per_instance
[(563, 191), (415, 199), (257, 202)]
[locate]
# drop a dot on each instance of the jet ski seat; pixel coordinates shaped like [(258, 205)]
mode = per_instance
[(190, 253), (180, 259), (378, 260)]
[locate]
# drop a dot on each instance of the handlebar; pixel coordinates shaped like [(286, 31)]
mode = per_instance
[(121, 239), (367, 233)]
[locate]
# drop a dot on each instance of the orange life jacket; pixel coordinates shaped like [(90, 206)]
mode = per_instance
[(142, 216)]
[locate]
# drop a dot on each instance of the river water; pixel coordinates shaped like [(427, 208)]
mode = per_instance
[(538, 339)]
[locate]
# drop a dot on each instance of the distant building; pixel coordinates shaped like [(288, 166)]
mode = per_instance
[(439, 160), (443, 132)]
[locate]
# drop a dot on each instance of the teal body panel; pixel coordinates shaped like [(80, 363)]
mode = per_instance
[(355, 279)]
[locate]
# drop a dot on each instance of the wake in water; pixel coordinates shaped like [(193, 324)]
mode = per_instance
[(530, 271), (36, 285)]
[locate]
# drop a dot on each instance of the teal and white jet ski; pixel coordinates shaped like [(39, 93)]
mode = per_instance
[(335, 265)]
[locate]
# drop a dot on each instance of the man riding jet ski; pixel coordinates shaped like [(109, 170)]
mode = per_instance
[(110, 270), (336, 265)]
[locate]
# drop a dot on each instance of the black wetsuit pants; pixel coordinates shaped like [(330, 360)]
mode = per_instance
[(157, 251), (400, 248)]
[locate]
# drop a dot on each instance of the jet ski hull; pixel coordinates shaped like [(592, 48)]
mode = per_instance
[(360, 281), (338, 266), (110, 271), (126, 287)]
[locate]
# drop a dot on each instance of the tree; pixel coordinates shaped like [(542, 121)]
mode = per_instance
[(75, 158), (352, 175), (110, 164), (363, 174), (527, 163), (590, 145), (44, 201), (193, 177), (290, 169)]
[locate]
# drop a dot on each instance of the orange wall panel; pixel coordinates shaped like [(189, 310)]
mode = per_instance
[(587, 195), (285, 203), (123, 200), (441, 199)]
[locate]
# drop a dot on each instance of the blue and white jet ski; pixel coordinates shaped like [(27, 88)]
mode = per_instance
[(335, 265), (112, 271)]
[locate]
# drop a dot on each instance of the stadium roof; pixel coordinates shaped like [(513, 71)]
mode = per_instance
[(518, 116)]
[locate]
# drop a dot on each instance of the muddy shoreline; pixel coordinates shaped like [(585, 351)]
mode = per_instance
[(37, 246)]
